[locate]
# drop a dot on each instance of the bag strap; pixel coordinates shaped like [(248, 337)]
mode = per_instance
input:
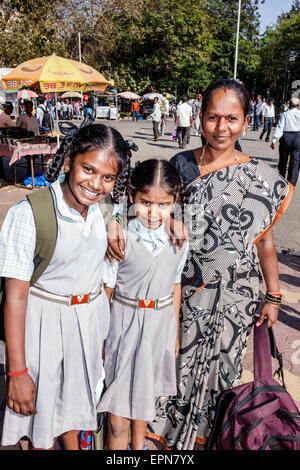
[(43, 209), (264, 347)]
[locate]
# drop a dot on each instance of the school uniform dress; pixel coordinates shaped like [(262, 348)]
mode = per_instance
[(140, 347), (63, 344)]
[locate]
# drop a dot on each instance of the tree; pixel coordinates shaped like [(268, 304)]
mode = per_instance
[(280, 55)]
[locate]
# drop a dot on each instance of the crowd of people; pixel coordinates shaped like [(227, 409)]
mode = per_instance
[(154, 333)]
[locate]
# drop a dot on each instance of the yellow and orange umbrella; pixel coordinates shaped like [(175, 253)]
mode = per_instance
[(55, 74)]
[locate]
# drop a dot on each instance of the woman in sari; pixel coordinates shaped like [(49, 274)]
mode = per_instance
[(233, 203)]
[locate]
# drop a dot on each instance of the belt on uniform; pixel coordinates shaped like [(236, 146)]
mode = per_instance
[(156, 304), (71, 299)]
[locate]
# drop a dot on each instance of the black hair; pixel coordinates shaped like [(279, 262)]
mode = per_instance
[(184, 99), (91, 137), (227, 84), (148, 173)]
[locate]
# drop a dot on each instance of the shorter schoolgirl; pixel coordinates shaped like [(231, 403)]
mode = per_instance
[(145, 293), (55, 329)]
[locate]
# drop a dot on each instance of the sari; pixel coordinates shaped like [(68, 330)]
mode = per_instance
[(229, 210)]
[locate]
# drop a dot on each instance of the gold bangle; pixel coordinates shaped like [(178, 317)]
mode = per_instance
[(271, 303)]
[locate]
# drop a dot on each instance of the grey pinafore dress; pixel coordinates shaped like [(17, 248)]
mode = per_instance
[(140, 347), (63, 344)]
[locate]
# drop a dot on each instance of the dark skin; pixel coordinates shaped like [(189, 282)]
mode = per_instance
[(91, 178)]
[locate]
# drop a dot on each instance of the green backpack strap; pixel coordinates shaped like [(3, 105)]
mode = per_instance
[(43, 209)]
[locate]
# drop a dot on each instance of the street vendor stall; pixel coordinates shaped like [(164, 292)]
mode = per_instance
[(106, 105), (16, 148), (54, 74)]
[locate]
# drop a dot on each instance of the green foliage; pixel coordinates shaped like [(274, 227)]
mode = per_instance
[(177, 46), (280, 54)]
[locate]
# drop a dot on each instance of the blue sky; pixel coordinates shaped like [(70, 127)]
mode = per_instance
[(270, 10)]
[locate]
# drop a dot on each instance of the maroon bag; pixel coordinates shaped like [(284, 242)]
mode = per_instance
[(259, 415)]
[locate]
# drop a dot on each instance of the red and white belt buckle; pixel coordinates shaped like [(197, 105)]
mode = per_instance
[(80, 299), (147, 303)]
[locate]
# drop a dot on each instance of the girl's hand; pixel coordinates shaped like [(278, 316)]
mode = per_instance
[(177, 347), (269, 312), (176, 231), (21, 395), (116, 242)]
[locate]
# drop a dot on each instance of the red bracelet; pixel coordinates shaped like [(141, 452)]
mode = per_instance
[(16, 374)]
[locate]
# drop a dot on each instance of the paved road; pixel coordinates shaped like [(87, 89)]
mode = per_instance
[(286, 235)]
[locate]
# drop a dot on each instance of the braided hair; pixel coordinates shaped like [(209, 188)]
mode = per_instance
[(88, 138), (151, 172)]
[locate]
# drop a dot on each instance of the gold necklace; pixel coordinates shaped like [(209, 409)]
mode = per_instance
[(202, 158)]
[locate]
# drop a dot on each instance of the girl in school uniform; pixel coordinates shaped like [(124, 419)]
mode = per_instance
[(145, 292), (54, 343)]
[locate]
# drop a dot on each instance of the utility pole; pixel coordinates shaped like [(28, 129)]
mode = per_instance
[(237, 40), (79, 47)]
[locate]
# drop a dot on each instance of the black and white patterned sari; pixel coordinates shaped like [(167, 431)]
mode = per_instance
[(229, 210)]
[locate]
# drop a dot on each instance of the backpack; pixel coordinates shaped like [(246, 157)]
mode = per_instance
[(47, 118), (259, 415), (43, 209)]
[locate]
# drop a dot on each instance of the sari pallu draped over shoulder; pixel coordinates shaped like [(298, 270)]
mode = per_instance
[(229, 210)]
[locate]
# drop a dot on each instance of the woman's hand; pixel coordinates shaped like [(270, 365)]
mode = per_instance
[(116, 242), (176, 231), (269, 312), (21, 395)]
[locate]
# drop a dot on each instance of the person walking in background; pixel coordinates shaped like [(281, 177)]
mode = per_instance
[(77, 109), (264, 103), (251, 112), (196, 114), (257, 113), (156, 116), (59, 109), (70, 110), (164, 109), (135, 110), (184, 121), (268, 119), (288, 133), (65, 110)]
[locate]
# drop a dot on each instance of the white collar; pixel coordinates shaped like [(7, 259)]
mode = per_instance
[(140, 229)]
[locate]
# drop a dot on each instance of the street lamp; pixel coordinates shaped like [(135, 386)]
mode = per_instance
[(237, 40)]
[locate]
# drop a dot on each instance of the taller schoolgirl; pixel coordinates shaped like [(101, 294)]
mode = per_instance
[(55, 329), (143, 342)]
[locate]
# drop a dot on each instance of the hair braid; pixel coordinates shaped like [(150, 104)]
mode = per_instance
[(54, 168), (122, 180)]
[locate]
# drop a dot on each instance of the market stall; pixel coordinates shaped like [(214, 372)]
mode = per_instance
[(106, 105), (15, 148)]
